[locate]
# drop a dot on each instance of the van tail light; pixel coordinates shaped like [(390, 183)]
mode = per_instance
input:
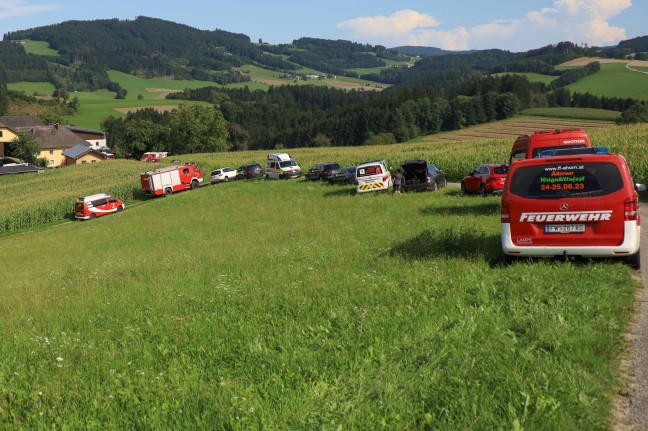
[(630, 208), (505, 214), (386, 177), (357, 183)]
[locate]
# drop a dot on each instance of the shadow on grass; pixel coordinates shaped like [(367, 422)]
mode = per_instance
[(340, 191), (476, 208), (450, 242)]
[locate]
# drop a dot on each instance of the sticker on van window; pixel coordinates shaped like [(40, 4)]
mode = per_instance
[(370, 170), (556, 178)]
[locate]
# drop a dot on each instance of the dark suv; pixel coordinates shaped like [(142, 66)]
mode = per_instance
[(249, 171), (321, 171)]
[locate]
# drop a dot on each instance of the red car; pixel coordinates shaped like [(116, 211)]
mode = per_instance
[(485, 179)]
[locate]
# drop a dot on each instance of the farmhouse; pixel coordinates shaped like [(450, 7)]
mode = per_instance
[(52, 138), (96, 138), (82, 154)]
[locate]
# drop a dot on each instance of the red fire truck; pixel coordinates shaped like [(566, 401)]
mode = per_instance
[(153, 157), (165, 181)]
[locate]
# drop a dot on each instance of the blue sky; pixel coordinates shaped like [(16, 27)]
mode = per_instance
[(513, 25)]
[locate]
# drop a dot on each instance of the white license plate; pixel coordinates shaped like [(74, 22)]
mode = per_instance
[(564, 228)]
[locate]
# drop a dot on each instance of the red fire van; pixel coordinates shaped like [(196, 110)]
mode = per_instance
[(572, 205)]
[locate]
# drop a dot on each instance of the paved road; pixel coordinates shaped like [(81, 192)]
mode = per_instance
[(631, 411)]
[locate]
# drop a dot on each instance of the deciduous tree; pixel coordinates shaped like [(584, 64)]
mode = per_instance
[(24, 147)]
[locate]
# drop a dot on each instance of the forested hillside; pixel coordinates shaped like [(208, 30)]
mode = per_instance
[(438, 92)]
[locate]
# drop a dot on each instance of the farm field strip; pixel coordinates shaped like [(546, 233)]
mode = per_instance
[(514, 127), (52, 193)]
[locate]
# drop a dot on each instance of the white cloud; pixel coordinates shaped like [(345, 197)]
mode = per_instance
[(578, 21), (401, 23), (14, 8)]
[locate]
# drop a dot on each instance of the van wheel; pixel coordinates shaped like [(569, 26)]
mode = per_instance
[(93, 216), (194, 184), (120, 209), (482, 190), (226, 179), (435, 185), (464, 189), (168, 191), (634, 261)]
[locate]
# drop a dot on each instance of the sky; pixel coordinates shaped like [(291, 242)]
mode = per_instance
[(514, 25)]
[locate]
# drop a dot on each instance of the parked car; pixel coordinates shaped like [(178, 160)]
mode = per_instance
[(321, 171), (419, 176), (249, 171), (485, 179), (346, 175), (223, 175), (572, 205), (98, 205)]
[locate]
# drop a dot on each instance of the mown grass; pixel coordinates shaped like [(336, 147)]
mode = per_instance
[(297, 305)]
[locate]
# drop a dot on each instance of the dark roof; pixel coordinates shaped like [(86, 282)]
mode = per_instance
[(49, 137), (83, 130), (19, 169), (80, 150), (53, 136), (20, 121)]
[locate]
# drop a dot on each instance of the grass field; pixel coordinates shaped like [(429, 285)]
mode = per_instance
[(295, 305), (38, 47), (574, 113), (613, 80), (533, 77)]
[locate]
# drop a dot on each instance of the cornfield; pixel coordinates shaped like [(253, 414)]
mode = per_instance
[(34, 199)]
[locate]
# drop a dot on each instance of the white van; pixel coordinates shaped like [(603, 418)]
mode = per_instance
[(373, 176), (280, 166)]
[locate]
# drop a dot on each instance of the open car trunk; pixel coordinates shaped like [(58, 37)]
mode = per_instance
[(414, 172)]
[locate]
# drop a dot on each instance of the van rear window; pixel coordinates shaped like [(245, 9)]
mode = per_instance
[(575, 180), (538, 151), (369, 170)]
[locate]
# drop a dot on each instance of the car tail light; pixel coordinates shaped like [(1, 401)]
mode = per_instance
[(386, 177), (357, 183), (505, 214), (631, 206)]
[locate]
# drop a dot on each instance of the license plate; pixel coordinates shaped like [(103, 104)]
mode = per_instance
[(564, 228)]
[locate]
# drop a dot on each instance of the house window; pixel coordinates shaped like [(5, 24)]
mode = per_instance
[(51, 162), (83, 162), (51, 152), (93, 161), (1, 133)]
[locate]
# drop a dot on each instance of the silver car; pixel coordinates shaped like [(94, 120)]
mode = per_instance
[(223, 175)]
